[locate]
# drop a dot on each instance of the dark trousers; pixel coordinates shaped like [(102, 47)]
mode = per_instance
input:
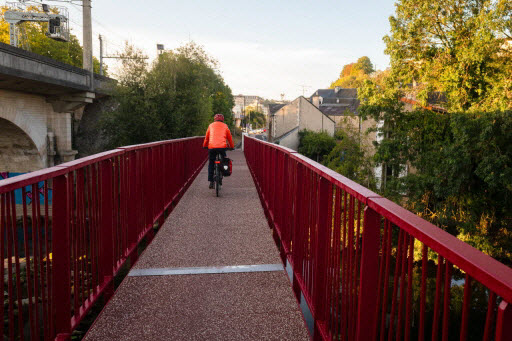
[(212, 154)]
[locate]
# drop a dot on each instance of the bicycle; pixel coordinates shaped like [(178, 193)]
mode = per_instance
[(218, 173)]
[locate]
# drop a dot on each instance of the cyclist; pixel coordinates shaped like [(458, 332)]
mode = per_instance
[(217, 140)]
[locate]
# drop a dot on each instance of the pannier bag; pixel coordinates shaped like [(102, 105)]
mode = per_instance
[(227, 167)]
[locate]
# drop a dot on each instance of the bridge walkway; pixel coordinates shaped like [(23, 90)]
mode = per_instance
[(204, 233)]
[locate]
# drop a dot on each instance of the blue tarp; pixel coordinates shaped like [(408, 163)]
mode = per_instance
[(28, 189)]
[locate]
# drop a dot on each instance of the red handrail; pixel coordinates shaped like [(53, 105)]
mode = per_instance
[(367, 268), (67, 230)]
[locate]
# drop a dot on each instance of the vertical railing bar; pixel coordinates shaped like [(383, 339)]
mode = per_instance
[(61, 250), (366, 322), (330, 269), (351, 250), (344, 272), (437, 303), (26, 249), (337, 264), (94, 227), (446, 303), (489, 316), (466, 305), (10, 243), (89, 222), (386, 281), (41, 263), (401, 244), (74, 239), (357, 273), (403, 268), (35, 242), (504, 322), (410, 276), (80, 229), (380, 285), (324, 222), (48, 260), (423, 292), (3, 217)]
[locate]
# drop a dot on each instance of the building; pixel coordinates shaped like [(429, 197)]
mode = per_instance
[(337, 103), (341, 105), (242, 102), (287, 120)]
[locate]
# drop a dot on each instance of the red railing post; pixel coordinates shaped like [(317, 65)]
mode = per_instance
[(321, 257), (106, 252), (295, 227), (504, 322), (366, 318), (61, 262)]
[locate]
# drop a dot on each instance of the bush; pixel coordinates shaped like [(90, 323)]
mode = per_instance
[(350, 159), (461, 173), (315, 145)]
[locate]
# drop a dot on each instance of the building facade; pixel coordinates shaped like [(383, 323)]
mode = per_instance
[(288, 120), (242, 102)]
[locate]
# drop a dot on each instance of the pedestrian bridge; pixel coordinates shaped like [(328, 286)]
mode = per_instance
[(290, 250)]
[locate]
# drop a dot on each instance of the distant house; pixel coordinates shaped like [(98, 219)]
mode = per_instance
[(341, 105), (337, 103), (241, 104), (287, 120)]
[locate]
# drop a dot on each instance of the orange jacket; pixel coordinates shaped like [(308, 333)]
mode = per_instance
[(218, 136)]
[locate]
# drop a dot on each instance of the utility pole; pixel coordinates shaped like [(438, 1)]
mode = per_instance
[(87, 28), (304, 89), (101, 55)]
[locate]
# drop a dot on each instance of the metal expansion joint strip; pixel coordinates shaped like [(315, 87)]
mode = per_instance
[(206, 270)]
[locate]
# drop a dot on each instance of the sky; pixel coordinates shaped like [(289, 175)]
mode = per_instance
[(264, 48)]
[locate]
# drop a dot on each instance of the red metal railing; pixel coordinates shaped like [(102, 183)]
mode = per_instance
[(67, 230), (367, 268)]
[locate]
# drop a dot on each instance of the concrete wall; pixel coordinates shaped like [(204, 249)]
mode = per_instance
[(286, 118), (45, 129), (311, 118), (353, 125), (291, 141), (30, 114), (302, 114), (88, 137), (18, 153)]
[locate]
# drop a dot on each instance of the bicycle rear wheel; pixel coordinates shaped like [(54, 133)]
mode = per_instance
[(217, 180)]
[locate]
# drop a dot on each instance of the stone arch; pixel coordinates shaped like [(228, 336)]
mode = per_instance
[(18, 152)]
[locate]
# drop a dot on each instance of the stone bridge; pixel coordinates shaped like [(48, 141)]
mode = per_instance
[(39, 100)]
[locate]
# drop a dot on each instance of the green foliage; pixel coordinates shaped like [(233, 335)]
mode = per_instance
[(460, 173), (350, 159), (459, 163), (255, 118), (67, 52), (177, 97), (315, 145), (461, 48), (352, 75)]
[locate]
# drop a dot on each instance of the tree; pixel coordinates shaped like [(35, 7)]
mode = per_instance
[(350, 159), (461, 48), (352, 75), (67, 52), (364, 65), (176, 97), (315, 145), (254, 117)]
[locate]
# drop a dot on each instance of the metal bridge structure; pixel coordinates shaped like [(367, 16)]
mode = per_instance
[(359, 266)]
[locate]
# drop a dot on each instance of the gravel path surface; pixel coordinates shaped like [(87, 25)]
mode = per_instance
[(205, 231)]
